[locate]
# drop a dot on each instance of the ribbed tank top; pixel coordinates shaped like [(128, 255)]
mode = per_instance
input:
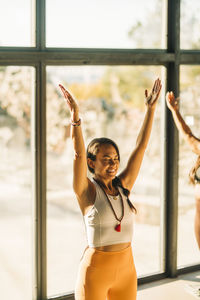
[(100, 221)]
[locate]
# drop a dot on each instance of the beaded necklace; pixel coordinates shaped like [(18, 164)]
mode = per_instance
[(118, 226)]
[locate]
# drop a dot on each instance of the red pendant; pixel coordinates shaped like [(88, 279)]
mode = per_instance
[(118, 227)]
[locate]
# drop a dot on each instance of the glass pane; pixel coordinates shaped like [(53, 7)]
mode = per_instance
[(109, 97), (188, 252), (190, 34), (15, 182), (106, 23), (16, 23)]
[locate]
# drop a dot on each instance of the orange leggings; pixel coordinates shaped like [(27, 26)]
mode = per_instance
[(106, 276)]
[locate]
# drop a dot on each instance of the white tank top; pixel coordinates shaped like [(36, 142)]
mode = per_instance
[(100, 221)]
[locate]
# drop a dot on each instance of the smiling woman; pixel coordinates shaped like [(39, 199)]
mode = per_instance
[(109, 226), (112, 109)]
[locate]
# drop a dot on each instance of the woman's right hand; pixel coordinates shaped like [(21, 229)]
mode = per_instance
[(73, 106), (172, 102)]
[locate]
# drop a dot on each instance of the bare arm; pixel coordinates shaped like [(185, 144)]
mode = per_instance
[(81, 183), (130, 173), (185, 130)]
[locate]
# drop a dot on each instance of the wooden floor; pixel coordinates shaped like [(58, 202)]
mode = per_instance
[(184, 287)]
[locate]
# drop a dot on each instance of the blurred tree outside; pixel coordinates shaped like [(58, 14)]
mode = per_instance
[(15, 103), (148, 34), (115, 92), (190, 37)]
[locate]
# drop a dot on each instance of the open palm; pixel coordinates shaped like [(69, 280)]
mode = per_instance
[(172, 102), (152, 98), (73, 106)]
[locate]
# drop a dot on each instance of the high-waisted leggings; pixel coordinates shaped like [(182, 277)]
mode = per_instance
[(106, 276)]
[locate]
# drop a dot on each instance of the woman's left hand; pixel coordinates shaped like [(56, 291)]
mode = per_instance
[(151, 99)]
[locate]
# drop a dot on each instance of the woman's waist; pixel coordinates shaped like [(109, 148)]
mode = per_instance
[(119, 256), (113, 247), (108, 258)]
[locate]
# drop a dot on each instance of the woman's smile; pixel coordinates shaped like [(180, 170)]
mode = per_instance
[(107, 162), (111, 171)]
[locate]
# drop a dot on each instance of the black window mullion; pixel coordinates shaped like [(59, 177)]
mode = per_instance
[(39, 156), (171, 143), (39, 184), (40, 24)]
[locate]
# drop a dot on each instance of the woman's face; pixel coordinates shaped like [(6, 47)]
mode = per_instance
[(107, 162)]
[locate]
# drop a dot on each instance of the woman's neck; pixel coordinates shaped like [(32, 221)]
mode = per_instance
[(107, 184)]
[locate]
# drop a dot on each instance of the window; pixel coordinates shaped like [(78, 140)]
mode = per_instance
[(107, 69), (105, 24), (109, 97), (16, 23), (15, 200), (190, 37)]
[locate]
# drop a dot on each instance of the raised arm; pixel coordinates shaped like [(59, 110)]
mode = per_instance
[(130, 173), (185, 130), (81, 183)]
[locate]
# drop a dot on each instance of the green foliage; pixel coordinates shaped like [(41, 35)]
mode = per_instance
[(130, 82)]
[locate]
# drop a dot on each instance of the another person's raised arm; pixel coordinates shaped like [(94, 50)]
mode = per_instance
[(185, 130)]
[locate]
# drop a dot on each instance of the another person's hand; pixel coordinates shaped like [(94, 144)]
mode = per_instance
[(151, 99), (172, 102)]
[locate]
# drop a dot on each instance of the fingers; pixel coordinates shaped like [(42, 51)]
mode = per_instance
[(169, 95), (172, 102), (157, 86), (62, 88), (71, 102), (153, 89), (65, 92), (154, 95), (176, 100)]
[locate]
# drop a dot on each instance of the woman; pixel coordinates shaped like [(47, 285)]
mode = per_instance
[(107, 269), (194, 144)]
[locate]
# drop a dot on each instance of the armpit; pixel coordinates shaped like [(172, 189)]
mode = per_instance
[(77, 155)]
